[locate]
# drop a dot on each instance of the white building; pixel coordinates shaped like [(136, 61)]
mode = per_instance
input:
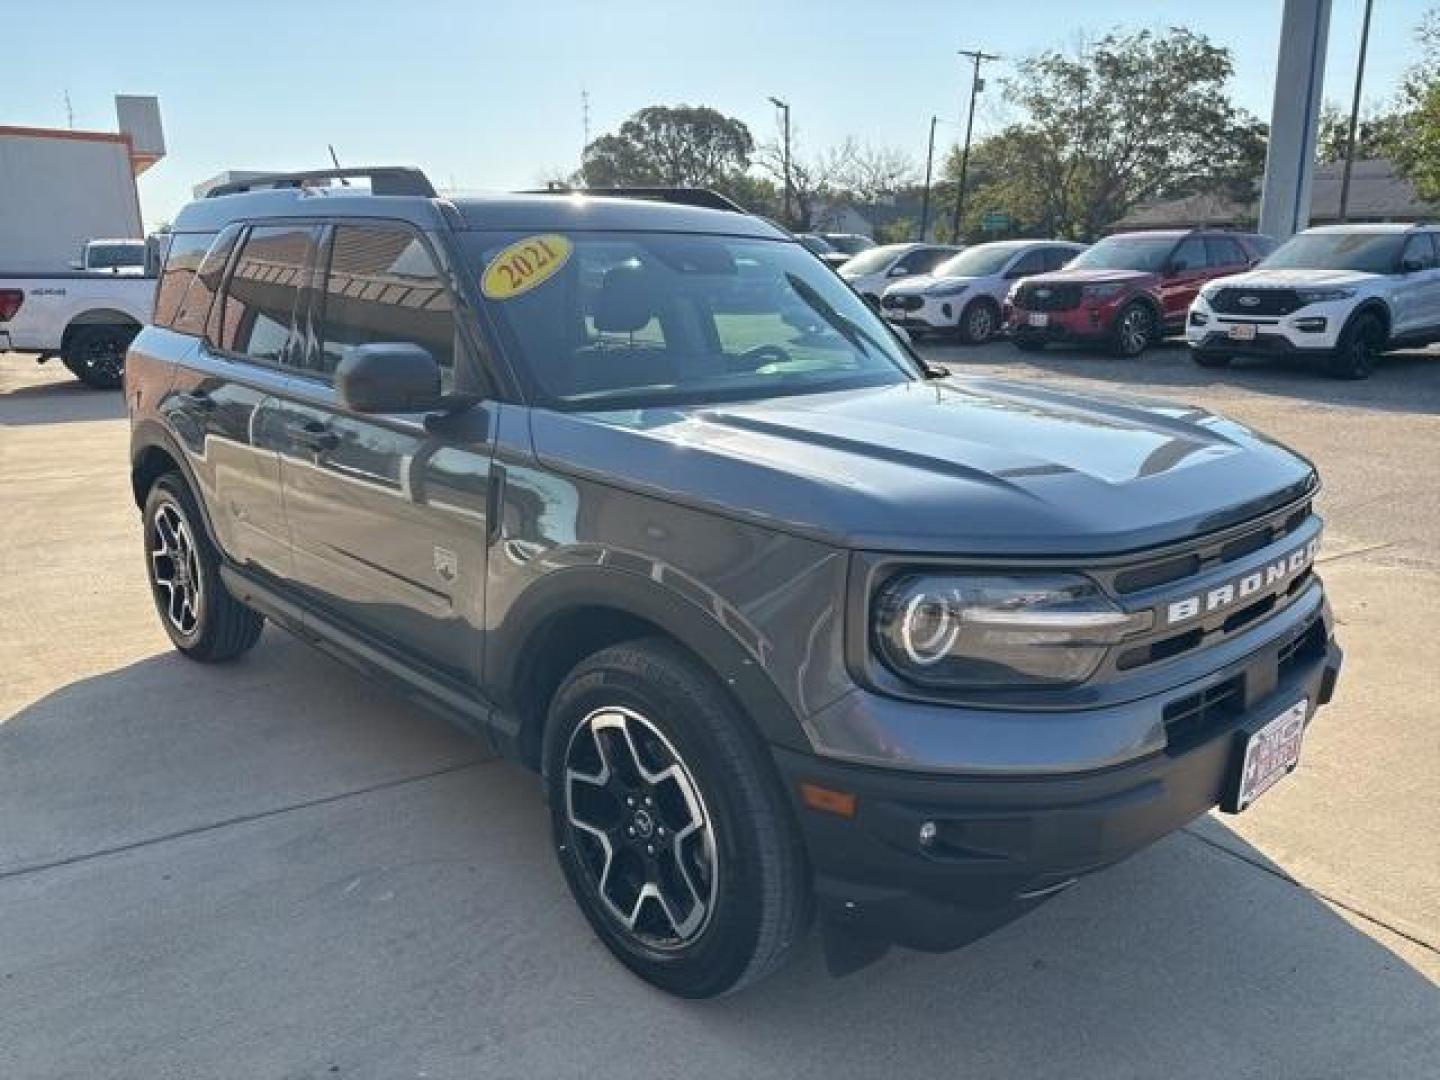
[(59, 188)]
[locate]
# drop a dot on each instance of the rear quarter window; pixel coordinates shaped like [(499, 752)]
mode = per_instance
[(200, 289), (187, 250)]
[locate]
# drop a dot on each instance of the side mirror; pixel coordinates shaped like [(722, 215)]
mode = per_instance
[(897, 271), (389, 377), (76, 264), (1411, 266)]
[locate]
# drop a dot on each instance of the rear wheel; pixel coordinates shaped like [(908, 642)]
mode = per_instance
[(202, 619), (1134, 330), (1359, 348), (669, 823), (96, 354), (979, 322)]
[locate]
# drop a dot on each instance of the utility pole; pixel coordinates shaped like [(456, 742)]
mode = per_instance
[(69, 111), (784, 107), (1354, 116), (977, 84), (929, 162)]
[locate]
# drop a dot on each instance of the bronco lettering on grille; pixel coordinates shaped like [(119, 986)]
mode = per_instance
[(1270, 576)]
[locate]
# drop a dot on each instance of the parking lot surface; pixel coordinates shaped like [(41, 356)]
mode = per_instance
[(277, 869)]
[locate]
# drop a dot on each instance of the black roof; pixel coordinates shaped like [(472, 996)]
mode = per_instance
[(517, 212)]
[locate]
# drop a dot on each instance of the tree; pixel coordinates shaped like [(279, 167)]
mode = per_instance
[(1375, 134), (675, 146), (1135, 116), (870, 174), (811, 183), (1416, 145)]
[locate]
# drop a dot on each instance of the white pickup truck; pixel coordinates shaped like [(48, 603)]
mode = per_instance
[(85, 318)]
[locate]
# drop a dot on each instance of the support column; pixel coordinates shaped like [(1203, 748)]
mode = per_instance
[(1294, 118)]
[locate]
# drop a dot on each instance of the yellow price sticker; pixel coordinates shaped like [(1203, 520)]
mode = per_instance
[(521, 266)]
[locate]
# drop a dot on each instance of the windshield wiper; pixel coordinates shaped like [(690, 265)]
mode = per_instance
[(851, 331)]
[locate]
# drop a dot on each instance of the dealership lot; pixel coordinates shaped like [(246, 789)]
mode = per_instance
[(275, 869)]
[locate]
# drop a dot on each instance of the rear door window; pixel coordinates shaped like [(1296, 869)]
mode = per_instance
[(195, 302), (262, 294), (1188, 257), (1225, 252), (1055, 258), (1032, 262), (187, 250), (382, 285)]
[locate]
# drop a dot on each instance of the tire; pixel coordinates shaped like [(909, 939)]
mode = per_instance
[(1134, 330), (96, 355), (1026, 343), (1359, 349), (979, 322), (1211, 359), (203, 620), (732, 885)]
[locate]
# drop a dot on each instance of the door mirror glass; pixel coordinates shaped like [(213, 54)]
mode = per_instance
[(389, 377), (1411, 265)]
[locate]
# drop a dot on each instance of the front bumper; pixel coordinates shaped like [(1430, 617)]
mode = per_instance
[(1292, 335), (1004, 844), (934, 313), (1089, 322)]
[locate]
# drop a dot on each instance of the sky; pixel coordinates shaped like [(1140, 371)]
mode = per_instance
[(487, 94)]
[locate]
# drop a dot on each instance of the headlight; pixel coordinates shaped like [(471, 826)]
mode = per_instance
[(1099, 292), (1320, 296), (947, 288), (969, 631), (1208, 293)]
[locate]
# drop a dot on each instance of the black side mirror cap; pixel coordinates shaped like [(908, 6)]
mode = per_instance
[(1411, 266), (389, 377)]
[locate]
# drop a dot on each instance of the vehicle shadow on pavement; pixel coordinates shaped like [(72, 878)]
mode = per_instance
[(308, 877), (59, 401), (1404, 382)]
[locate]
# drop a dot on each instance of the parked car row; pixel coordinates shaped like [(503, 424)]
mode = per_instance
[(1342, 294)]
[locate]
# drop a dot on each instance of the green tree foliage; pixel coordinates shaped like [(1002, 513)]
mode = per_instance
[(677, 146), (1417, 140), (1375, 134), (1134, 116)]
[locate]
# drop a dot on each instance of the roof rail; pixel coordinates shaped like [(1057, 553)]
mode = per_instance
[(681, 196), (384, 180)]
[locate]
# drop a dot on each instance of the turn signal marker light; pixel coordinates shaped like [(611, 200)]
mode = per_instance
[(841, 803)]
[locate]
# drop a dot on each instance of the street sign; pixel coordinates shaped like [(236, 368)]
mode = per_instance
[(995, 221)]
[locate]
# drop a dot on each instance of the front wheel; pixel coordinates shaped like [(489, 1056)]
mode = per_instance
[(979, 322), (669, 823), (1134, 330), (96, 355), (1359, 348), (202, 619)]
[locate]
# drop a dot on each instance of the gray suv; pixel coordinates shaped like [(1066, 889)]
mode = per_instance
[(793, 626)]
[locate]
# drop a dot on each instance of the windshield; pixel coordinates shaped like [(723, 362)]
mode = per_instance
[(818, 244), (109, 256), (1370, 253), (1125, 253), (872, 261), (617, 320), (979, 261), (849, 243)]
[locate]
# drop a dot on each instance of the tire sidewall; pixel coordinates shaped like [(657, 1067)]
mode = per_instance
[(1126, 313), (171, 490), (968, 312), (1345, 363), (719, 956), (82, 365)]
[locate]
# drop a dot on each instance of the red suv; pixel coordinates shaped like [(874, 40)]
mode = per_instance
[(1129, 290)]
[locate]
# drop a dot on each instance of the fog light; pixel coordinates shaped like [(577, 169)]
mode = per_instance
[(1314, 325), (1198, 318), (928, 832)]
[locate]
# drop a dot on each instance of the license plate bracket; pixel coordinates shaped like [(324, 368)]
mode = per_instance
[(1265, 756), (1038, 318), (1242, 332)]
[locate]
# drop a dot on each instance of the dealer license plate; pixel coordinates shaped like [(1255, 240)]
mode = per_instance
[(1039, 318), (1242, 332), (1271, 754)]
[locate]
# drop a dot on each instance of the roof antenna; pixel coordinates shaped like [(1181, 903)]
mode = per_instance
[(336, 160)]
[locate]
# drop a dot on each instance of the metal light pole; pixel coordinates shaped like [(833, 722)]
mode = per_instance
[(976, 85), (929, 161), (784, 107), (1354, 116)]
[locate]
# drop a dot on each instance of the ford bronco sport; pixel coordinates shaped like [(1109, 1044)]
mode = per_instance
[(792, 625)]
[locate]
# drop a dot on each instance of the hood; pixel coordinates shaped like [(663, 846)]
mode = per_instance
[(1091, 276), (922, 283), (964, 466), (1286, 277)]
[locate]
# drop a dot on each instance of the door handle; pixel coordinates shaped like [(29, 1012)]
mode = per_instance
[(199, 400), (317, 436)]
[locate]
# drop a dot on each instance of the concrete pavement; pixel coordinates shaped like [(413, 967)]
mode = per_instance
[(276, 869)]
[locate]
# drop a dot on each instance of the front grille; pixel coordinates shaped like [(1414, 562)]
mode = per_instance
[(1192, 719), (1046, 297), (1264, 303), (1162, 572), (904, 302)]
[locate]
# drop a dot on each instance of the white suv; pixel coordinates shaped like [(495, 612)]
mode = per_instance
[(1343, 294), (966, 293)]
